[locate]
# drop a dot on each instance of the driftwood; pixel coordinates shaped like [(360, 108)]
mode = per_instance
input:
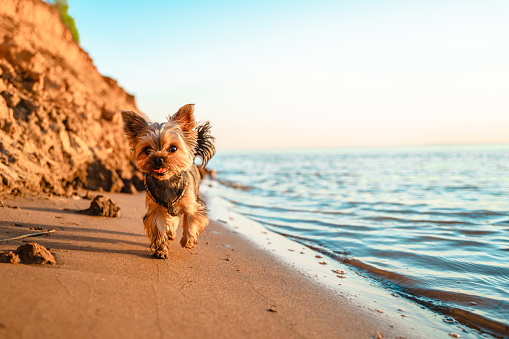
[(28, 235)]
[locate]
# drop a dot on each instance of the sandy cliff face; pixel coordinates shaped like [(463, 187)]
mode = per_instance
[(60, 123)]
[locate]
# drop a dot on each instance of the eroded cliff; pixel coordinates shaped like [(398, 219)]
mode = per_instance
[(60, 125)]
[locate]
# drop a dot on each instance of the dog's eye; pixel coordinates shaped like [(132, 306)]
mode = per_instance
[(147, 151), (172, 149)]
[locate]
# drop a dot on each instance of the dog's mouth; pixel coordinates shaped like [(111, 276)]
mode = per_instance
[(160, 171)]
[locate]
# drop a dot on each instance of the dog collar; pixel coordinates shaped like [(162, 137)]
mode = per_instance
[(169, 205)]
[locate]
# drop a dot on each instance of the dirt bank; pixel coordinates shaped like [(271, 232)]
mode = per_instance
[(59, 118)]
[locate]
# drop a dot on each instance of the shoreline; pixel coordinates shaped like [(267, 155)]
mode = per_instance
[(375, 290), (365, 292), (106, 283)]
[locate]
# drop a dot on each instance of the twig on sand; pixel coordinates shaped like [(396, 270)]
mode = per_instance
[(28, 235)]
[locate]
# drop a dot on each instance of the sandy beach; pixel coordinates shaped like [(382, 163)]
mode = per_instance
[(318, 229), (106, 285)]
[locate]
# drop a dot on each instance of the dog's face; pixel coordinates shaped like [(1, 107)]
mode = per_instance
[(162, 150)]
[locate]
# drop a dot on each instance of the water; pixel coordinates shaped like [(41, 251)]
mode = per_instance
[(431, 223)]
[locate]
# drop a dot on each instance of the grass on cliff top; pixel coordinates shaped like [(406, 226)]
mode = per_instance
[(63, 8)]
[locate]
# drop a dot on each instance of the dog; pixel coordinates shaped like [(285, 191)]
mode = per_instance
[(165, 153)]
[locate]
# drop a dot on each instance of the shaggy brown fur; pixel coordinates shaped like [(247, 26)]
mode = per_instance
[(165, 153)]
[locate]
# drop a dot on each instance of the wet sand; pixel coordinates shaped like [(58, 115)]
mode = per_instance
[(106, 284)]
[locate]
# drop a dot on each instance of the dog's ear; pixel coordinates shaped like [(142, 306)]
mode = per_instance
[(185, 118), (133, 125)]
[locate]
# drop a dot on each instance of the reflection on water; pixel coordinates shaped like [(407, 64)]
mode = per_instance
[(431, 222)]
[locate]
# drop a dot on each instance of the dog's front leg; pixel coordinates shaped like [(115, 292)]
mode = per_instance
[(172, 223), (192, 225), (155, 222)]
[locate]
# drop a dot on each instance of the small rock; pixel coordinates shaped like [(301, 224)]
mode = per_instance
[(322, 263), (9, 257), (380, 311), (449, 320), (33, 253), (318, 256), (272, 309), (454, 335), (379, 335), (103, 207)]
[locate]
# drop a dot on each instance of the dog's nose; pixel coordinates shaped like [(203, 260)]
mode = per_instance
[(159, 161)]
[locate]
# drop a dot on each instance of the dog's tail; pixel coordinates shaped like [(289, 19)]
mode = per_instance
[(205, 148)]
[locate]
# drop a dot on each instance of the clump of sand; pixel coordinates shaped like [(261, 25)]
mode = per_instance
[(103, 207), (9, 257), (30, 253)]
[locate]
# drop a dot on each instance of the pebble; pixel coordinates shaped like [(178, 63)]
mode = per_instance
[(454, 335), (449, 320), (322, 263), (339, 271)]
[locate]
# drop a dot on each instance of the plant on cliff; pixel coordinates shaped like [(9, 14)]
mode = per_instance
[(63, 8)]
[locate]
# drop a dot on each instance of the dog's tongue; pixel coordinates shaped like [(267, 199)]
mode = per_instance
[(161, 170)]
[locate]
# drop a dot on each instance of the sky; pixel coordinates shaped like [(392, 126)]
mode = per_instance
[(307, 74)]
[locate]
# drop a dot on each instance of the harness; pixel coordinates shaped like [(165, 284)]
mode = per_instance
[(169, 205)]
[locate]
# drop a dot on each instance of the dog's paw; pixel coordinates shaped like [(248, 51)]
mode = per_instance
[(188, 242), (171, 235), (160, 254)]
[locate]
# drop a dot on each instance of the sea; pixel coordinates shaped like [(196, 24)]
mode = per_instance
[(431, 223)]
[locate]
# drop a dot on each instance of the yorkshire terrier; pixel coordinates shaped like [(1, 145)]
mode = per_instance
[(165, 153)]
